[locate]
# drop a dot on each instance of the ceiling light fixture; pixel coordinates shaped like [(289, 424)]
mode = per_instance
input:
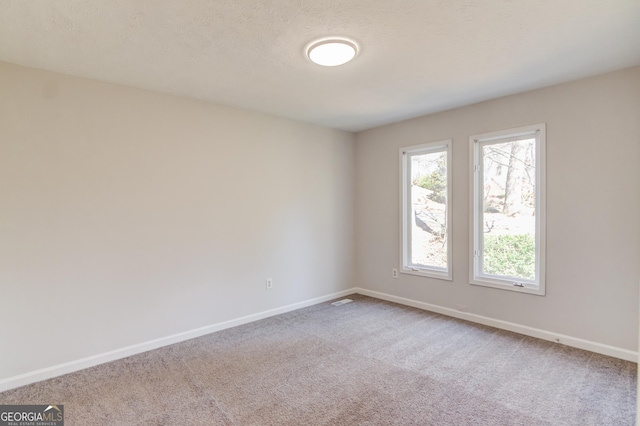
[(330, 52)]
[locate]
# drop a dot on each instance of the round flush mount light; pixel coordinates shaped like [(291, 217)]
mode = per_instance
[(330, 52)]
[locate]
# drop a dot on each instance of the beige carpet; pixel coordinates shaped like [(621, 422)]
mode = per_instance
[(364, 363)]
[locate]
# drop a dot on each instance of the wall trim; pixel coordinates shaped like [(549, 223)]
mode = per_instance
[(575, 342), (80, 364)]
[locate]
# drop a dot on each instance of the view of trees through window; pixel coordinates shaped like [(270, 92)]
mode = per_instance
[(429, 205), (509, 178)]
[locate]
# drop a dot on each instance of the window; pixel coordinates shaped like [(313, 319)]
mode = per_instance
[(508, 198), (425, 209)]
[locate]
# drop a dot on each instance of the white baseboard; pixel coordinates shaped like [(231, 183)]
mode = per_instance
[(80, 364), (509, 326)]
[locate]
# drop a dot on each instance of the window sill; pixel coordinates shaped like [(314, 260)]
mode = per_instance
[(441, 275), (505, 285)]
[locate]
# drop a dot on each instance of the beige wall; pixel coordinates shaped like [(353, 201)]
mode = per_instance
[(128, 216), (593, 207)]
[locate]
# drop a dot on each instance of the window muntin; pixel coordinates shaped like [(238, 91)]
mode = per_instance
[(508, 209), (425, 209)]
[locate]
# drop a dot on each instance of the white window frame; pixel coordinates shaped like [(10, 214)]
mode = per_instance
[(405, 210), (536, 286)]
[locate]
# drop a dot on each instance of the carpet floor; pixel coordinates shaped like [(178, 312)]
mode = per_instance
[(368, 362)]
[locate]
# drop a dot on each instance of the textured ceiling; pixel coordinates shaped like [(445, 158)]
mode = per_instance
[(417, 56)]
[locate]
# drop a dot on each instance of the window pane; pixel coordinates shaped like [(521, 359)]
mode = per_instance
[(509, 205), (429, 209)]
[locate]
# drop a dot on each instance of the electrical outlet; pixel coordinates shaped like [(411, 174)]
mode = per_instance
[(394, 273), (269, 283)]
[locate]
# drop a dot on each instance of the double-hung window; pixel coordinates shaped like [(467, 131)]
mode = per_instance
[(508, 200), (425, 208)]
